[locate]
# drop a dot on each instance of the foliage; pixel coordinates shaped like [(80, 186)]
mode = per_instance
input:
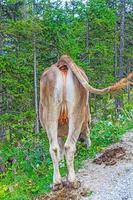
[(88, 31), (27, 166), (85, 31)]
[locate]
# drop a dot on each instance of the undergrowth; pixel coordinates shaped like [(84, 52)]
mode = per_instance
[(26, 167)]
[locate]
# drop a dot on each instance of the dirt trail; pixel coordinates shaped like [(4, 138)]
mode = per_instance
[(108, 177), (113, 182)]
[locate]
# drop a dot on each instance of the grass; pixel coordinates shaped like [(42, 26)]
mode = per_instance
[(28, 166)]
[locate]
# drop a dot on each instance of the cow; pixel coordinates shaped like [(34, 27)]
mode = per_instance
[(64, 112)]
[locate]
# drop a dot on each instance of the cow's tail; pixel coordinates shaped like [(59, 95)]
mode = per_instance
[(114, 88)]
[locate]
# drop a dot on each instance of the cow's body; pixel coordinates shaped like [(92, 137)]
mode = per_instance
[(63, 112)]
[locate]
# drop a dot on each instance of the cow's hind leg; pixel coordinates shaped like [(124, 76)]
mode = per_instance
[(70, 148), (61, 145), (84, 138), (54, 149)]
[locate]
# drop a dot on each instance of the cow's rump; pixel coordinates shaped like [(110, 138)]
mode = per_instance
[(51, 82)]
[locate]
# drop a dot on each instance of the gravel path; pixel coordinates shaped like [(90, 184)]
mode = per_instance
[(110, 182)]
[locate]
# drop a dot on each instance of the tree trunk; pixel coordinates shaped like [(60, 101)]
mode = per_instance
[(2, 129), (119, 101), (35, 72), (87, 35), (122, 30), (115, 52), (128, 87), (35, 84), (87, 40)]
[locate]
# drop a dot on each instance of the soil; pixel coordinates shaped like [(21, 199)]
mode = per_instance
[(66, 193), (111, 156)]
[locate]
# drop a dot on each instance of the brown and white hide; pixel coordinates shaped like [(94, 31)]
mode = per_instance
[(64, 112)]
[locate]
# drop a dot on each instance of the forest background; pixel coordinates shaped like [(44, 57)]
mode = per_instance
[(98, 35)]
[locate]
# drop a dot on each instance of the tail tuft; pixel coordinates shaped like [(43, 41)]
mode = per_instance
[(121, 84)]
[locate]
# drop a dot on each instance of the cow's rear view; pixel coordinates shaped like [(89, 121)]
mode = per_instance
[(63, 112)]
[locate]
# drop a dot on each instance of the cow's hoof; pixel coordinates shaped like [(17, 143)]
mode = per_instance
[(65, 183), (75, 185), (57, 186)]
